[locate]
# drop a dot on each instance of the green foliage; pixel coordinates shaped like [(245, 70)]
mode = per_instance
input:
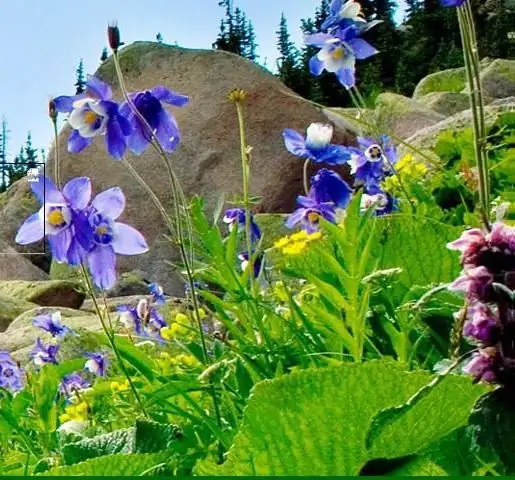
[(280, 434)]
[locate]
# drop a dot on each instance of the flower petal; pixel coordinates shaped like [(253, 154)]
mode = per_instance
[(361, 48), (98, 89), (346, 77), (316, 66), (295, 218), (139, 139), (46, 191), (110, 202), (77, 143), (317, 39), (78, 192), (168, 96), (295, 143), (168, 131), (115, 139), (64, 104), (60, 244), (128, 241), (102, 265), (31, 231)]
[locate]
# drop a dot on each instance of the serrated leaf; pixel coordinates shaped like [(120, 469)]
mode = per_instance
[(314, 422), (150, 436), (118, 465)]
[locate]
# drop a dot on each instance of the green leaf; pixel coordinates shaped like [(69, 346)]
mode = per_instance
[(150, 437), (118, 465), (419, 467), (314, 422), (46, 385)]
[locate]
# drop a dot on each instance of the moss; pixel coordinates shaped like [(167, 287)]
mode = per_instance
[(11, 308), (452, 80), (45, 293)]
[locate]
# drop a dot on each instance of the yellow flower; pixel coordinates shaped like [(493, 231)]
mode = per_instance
[(297, 242), (188, 360), (117, 387), (294, 248), (77, 412)]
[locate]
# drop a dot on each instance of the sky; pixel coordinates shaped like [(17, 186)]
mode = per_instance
[(43, 42)]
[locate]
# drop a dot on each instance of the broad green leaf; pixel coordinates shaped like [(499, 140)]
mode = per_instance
[(419, 467), (314, 422), (150, 437), (118, 465), (45, 392)]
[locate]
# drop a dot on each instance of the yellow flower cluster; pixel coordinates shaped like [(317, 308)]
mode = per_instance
[(296, 243), (180, 326), (168, 362), (118, 387), (408, 169), (77, 412)]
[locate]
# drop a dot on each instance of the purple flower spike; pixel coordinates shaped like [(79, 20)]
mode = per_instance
[(110, 237), (316, 146), (483, 325), (483, 365), (51, 324), (59, 218), (309, 213), (149, 104), (11, 375), (42, 354), (93, 113), (96, 364)]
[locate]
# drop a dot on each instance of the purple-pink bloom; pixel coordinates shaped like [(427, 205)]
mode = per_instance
[(110, 237), (483, 365), (149, 104), (51, 323), (94, 113), (42, 353), (475, 282), (59, 219), (482, 325)]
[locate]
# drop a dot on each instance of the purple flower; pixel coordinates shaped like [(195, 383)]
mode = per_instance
[(482, 325), (149, 104), (475, 282), (244, 263), (316, 146), (51, 323), (236, 217), (338, 53), (309, 213), (42, 354), (144, 319), (327, 186), (93, 113), (60, 218), (71, 383), (382, 202), (110, 237), (11, 375), (96, 363), (452, 3), (342, 15), (156, 291), (483, 365)]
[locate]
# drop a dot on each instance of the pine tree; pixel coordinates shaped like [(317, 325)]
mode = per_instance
[(4, 179), (104, 55), (80, 84), (287, 63), (30, 153), (159, 37), (250, 43)]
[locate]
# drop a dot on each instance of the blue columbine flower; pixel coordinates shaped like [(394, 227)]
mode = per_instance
[(236, 217), (51, 323), (338, 53), (382, 202), (96, 363), (316, 145), (342, 15), (309, 213), (59, 219), (72, 383), (144, 319), (11, 375), (244, 262), (327, 186), (157, 293), (149, 104), (42, 354), (110, 237), (94, 113)]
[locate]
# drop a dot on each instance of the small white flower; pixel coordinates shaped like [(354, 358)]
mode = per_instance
[(318, 135), (89, 117)]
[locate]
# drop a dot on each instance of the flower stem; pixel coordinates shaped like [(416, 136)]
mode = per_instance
[(305, 176), (56, 156), (110, 337)]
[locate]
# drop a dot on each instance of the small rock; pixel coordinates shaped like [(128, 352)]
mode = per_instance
[(445, 103), (11, 308), (15, 266), (498, 79)]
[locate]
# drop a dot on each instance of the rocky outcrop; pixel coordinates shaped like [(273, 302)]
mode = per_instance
[(445, 103), (207, 161), (17, 266), (498, 79)]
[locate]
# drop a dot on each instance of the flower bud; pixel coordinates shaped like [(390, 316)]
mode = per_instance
[(52, 110), (237, 95), (113, 35)]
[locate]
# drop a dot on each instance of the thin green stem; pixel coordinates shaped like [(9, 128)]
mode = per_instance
[(305, 176), (110, 337), (56, 157)]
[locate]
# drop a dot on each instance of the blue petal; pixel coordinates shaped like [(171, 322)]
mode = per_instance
[(316, 66), (168, 96), (168, 131), (76, 143), (346, 77), (317, 39), (98, 89), (46, 191), (83, 232), (334, 155), (295, 218), (366, 142), (64, 104), (361, 48), (110, 203), (328, 186), (76, 253), (295, 143), (31, 231), (115, 139), (128, 241), (336, 6), (78, 192), (102, 265), (139, 139), (125, 125), (60, 244)]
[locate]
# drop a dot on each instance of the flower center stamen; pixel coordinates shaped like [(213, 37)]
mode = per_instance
[(56, 218), (90, 117), (313, 217)]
